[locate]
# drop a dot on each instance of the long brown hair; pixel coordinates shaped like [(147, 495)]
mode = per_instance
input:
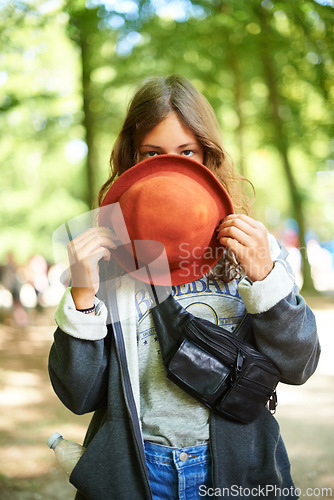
[(156, 99)]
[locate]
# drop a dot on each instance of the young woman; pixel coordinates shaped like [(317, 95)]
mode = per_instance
[(167, 445)]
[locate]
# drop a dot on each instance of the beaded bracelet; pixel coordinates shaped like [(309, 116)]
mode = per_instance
[(87, 311)]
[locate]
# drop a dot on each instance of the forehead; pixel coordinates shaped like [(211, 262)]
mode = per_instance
[(170, 129)]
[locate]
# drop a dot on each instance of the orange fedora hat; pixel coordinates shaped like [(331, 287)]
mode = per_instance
[(169, 204)]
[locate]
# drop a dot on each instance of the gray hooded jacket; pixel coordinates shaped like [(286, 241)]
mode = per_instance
[(93, 372)]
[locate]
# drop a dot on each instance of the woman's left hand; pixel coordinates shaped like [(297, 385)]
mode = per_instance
[(248, 239)]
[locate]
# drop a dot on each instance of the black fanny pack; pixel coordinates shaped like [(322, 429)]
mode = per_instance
[(213, 365)]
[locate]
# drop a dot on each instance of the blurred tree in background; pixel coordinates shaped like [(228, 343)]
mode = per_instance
[(68, 69)]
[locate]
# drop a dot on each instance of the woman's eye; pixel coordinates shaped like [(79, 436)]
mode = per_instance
[(150, 154), (187, 152)]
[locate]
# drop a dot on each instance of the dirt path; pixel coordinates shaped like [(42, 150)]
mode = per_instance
[(30, 413)]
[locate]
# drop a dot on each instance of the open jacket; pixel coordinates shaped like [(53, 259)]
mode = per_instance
[(93, 371)]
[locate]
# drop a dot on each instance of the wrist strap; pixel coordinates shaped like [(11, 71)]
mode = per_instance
[(87, 311)]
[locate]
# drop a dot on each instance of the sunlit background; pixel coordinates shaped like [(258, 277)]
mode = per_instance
[(67, 71)]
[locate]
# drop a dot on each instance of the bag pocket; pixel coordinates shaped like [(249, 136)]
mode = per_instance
[(249, 395), (198, 372)]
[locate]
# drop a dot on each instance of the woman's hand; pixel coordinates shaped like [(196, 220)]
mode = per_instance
[(85, 252), (248, 240)]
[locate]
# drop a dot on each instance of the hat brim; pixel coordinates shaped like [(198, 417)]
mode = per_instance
[(191, 267)]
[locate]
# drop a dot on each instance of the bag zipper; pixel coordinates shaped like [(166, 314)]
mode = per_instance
[(236, 343)]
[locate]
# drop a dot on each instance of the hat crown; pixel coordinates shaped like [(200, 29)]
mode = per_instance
[(175, 201), (171, 208)]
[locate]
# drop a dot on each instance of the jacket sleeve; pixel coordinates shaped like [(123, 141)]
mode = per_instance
[(79, 357), (284, 326)]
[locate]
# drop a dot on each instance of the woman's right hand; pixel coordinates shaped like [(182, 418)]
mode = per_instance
[(85, 252)]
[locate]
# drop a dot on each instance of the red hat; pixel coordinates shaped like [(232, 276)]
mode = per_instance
[(171, 203)]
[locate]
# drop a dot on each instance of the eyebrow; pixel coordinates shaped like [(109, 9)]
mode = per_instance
[(187, 145), (149, 146)]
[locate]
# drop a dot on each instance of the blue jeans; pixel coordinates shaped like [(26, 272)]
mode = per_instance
[(178, 473)]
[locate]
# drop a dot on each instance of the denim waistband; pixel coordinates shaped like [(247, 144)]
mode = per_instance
[(180, 457)]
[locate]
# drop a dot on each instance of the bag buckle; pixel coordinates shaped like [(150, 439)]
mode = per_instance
[(273, 403)]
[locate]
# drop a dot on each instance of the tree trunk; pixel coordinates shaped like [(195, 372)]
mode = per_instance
[(83, 24), (88, 123), (282, 146), (238, 101)]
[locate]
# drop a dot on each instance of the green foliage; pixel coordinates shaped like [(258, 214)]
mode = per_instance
[(67, 75), (40, 100)]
